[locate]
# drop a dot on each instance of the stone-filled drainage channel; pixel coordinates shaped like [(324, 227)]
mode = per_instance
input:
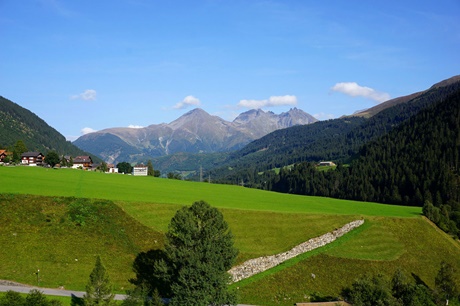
[(258, 265)]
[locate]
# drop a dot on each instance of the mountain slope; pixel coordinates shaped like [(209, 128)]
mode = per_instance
[(18, 123), (380, 107), (338, 139), (194, 132), (417, 163)]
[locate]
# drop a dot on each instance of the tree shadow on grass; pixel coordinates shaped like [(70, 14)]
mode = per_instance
[(418, 280), (76, 301)]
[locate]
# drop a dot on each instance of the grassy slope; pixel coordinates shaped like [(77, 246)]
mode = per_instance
[(381, 246), (39, 233), (267, 223)]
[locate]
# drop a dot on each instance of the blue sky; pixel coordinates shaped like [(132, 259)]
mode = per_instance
[(90, 65)]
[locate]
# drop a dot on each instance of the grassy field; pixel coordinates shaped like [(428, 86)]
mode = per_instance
[(75, 183), (263, 223)]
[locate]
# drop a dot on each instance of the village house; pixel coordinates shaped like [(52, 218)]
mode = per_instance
[(4, 154), (32, 158), (111, 168), (84, 162), (140, 170)]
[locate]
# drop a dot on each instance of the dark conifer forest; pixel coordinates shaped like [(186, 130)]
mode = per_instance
[(405, 155), (415, 164)]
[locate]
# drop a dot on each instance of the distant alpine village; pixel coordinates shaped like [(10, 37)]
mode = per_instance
[(84, 162)]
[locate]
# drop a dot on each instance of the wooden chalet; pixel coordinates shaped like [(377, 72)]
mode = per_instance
[(4, 154), (82, 161), (32, 158)]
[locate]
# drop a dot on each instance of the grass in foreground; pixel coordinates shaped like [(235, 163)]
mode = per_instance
[(419, 250)]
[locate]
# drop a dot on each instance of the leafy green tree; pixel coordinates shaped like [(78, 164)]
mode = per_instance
[(147, 274), (52, 158), (175, 176), (410, 294), (103, 167), (124, 167), (199, 252), (370, 291), (98, 289), (63, 161), (12, 298), (18, 149), (33, 298), (150, 171), (137, 297), (36, 298), (445, 284)]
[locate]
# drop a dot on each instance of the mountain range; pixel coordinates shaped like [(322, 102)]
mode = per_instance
[(194, 132)]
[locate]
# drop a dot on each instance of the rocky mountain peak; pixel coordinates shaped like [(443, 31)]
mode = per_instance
[(195, 131)]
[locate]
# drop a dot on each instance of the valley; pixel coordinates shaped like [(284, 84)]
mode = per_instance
[(263, 223)]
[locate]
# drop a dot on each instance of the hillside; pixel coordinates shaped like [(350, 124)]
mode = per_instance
[(378, 108), (194, 132), (263, 223), (417, 163), (62, 237), (18, 123), (339, 140)]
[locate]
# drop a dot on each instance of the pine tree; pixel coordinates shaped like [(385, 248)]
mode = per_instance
[(98, 289), (199, 253)]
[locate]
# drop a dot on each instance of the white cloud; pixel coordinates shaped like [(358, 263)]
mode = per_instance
[(132, 126), (355, 90), (87, 95), (87, 130), (272, 101), (188, 101), (324, 116)]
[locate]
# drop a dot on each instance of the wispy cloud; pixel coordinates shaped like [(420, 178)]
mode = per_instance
[(355, 90), (87, 95), (188, 101), (87, 130), (132, 126), (272, 101)]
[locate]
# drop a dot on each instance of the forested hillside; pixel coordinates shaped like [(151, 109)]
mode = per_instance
[(18, 123), (415, 164), (339, 140)]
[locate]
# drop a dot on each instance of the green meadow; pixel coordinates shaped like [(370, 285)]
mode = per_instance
[(132, 214), (85, 184)]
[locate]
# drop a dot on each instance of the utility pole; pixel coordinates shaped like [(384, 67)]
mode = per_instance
[(201, 173)]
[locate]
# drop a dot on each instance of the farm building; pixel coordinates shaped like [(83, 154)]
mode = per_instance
[(326, 163), (140, 170)]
